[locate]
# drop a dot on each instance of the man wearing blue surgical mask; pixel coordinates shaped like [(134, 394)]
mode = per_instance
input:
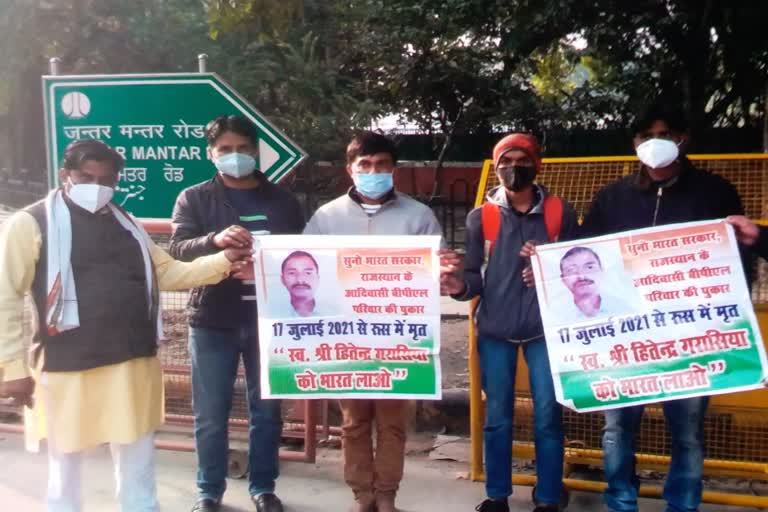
[(220, 213), (666, 189), (373, 207)]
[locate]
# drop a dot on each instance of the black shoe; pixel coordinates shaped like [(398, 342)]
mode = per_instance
[(493, 506), (267, 502), (206, 505), (547, 508)]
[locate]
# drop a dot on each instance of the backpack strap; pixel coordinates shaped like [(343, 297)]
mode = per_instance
[(491, 221), (553, 217), (490, 218)]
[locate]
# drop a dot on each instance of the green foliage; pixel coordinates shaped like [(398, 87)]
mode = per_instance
[(553, 79), (711, 57), (320, 68), (263, 16), (289, 59)]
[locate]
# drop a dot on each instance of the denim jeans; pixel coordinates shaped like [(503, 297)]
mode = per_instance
[(498, 364), (215, 354), (683, 488)]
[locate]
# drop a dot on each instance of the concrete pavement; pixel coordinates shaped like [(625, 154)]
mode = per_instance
[(429, 485), (453, 308)]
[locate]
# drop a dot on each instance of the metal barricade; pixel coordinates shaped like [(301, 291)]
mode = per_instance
[(301, 416), (736, 425)]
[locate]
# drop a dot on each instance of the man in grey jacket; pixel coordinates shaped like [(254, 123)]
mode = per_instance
[(508, 318), (373, 207)]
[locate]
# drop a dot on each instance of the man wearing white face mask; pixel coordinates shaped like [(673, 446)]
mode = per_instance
[(219, 213), (94, 276), (373, 207), (666, 189)]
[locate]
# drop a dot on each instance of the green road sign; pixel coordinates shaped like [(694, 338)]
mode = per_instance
[(157, 123)]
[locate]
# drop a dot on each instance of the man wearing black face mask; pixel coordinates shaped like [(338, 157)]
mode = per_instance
[(508, 317), (666, 189)]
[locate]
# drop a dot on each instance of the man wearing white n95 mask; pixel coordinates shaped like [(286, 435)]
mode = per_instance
[(666, 189), (223, 212), (94, 276)]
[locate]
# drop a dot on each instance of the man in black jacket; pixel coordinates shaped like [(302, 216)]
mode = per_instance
[(666, 189), (207, 217)]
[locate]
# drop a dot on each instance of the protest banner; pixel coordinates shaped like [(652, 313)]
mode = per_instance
[(648, 315), (348, 316)]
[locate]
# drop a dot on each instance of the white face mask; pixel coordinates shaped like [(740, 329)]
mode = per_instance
[(657, 153), (90, 196), (236, 165)]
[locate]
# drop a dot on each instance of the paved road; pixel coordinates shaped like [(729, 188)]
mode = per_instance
[(5, 212), (429, 485)]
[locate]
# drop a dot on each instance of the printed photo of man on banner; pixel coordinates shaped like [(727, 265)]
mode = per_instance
[(348, 316), (648, 315)]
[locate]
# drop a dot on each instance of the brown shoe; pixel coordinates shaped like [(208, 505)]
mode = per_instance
[(362, 507), (364, 502), (385, 502)]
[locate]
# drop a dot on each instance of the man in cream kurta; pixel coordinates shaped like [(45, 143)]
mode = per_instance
[(99, 381)]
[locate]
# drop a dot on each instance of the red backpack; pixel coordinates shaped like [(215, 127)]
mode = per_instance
[(491, 222)]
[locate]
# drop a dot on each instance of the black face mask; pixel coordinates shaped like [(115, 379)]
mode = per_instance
[(517, 177)]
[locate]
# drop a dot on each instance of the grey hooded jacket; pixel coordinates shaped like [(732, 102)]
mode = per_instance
[(508, 309)]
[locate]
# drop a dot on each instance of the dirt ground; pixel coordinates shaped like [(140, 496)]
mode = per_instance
[(454, 354)]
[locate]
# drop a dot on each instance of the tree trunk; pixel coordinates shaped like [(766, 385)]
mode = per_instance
[(33, 126), (443, 151), (765, 120)]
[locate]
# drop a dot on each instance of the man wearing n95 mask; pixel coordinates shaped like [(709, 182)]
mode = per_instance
[(666, 189), (223, 212), (95, 277)]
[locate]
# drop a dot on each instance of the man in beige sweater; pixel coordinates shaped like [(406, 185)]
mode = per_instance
[(373, 207)]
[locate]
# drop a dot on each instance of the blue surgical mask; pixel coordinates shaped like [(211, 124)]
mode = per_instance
[(375, 185), (236, 165)]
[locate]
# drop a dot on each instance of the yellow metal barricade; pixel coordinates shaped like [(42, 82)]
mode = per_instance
[(736, 425)]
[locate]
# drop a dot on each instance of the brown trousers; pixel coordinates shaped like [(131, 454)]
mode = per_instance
[(365, 474)]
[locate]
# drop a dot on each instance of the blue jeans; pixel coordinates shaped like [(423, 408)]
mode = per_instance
[(498, 363), (683, 488), (215, 354)]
